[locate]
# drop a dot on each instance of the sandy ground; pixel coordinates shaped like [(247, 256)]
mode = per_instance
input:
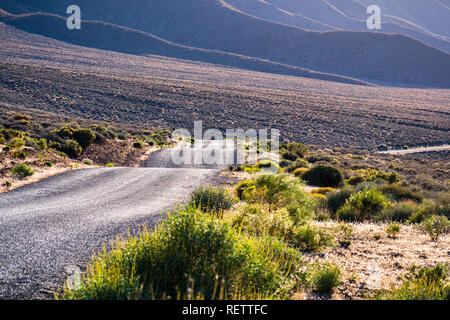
[(370, 264)]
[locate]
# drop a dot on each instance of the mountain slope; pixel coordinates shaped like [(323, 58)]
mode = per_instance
[(347, 15), (215, 25), (109, 37)]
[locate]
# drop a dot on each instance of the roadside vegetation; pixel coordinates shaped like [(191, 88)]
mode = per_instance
[(38, 145), (268, 236)]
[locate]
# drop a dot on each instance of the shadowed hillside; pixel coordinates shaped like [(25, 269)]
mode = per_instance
[(215, 25), (110, 37), (403, 17)]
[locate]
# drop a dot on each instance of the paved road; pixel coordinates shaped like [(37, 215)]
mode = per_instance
[(50, 227), (418, 150)]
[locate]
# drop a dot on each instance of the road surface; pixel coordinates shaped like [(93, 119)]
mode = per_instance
[(52, 227)]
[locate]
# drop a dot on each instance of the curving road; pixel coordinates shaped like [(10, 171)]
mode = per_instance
[(51, 228)]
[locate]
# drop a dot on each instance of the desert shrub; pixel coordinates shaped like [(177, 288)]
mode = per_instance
[(337, 198), (354, 180), (109, 165), (268, 166), (48, 163), (285, 163), (299, 163), (138, 144), (15, 143), (290, 156), (320, 158), (372, 174), (42, 144), (421, 284), (298, 148), (363, 205), (30, 142), (72, 148), (318, 196), (435, 226), (20, 154), (393, 229), (323, 175), (399, 212), (398, 192), (326, 278), (431, 207), (300, 171), (189, 251), (428, 183), (310, 238), (255, 219), (322, 190), (241, 187), (7, 184), (9, 134), (281, 190), (211, 199), (84, 137), (22, 170), (20, 116), (87, 162), (2, 138)]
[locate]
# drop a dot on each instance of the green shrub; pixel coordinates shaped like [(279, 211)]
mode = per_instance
[(393, 229), (241, 187), (421, 284), (256, 220), (322, 158), (309, 238), (8, 134), (48, 163), (42, 144), (211, 199), (87, 162), (290, 156), (323, 175), (188, 252), (20, 116), (109, 165), (428, 183), (285, 163), (298, 149), (363, 205), (84, 137), (299, 172), (22, 170), (326, 278), (299, 163), (353, 181), (138, 144), (72, 148), (19, 154), (399, 212), (435, 226), (398, 192), (2, 138), (337, 199), (268, 166), (16, 143)]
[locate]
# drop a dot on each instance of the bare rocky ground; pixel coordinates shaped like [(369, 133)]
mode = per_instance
[(158, 91), (369, 264)]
